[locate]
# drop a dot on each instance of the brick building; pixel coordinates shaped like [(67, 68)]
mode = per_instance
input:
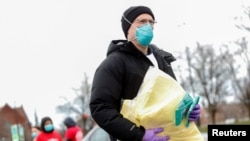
[(14, 124)]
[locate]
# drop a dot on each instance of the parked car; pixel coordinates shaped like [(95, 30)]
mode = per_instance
[(96, 134)]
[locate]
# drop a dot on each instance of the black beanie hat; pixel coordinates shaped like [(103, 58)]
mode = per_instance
[(131, 13)]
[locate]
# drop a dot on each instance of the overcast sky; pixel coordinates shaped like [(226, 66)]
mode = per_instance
[(46, 46)]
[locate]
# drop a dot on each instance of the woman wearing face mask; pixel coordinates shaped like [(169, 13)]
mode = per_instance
[(48, 133), (121, 73)]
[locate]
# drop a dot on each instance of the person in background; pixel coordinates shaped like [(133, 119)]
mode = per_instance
[(121, 73), (48, 133), (35, 130), (73, 132)]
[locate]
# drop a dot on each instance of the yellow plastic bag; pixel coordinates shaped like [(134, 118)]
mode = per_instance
[(155, 105)]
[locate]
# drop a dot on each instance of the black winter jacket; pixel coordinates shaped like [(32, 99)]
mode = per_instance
[(117, 78)]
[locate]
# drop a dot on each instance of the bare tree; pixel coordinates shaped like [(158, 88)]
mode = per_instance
[(242, 25), (79, 106), (245, 90), (207, 76), (241, 82)]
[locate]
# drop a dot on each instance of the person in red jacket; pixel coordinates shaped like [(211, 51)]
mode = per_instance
[(73, 132), (48, 133)]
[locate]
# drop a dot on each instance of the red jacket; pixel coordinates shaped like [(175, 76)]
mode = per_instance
[(53, 136), (74, 133)]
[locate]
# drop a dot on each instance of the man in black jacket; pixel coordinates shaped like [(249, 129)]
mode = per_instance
[(120, 75)]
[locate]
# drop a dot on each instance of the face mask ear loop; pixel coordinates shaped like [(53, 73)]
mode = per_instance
[(126, 19), (130, 24)]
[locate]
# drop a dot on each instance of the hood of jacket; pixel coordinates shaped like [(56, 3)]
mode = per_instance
[(43, 121), (122, 46), (127, 46), (69, 122)]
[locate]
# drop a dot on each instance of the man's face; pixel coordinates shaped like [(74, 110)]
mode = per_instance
[(139, 21)]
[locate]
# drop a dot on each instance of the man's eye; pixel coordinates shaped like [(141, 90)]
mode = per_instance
[(142, 21), (147, 21)]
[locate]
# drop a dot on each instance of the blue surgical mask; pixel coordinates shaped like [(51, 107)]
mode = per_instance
[(144, 34), (49, 127), (34, 134)]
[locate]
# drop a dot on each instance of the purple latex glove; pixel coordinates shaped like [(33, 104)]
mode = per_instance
[(195, 114), (151, 135)]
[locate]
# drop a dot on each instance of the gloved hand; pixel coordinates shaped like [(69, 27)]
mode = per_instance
[(195, 114), (151, 135)]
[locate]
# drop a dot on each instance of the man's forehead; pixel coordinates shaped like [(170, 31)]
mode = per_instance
[(144, 16)]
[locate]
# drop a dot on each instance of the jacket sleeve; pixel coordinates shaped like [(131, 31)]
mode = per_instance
[(105, 101)]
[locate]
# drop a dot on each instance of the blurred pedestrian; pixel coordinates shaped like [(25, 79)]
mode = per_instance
[(73, 132), (48, 132), (35, 131), (120, 75)]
